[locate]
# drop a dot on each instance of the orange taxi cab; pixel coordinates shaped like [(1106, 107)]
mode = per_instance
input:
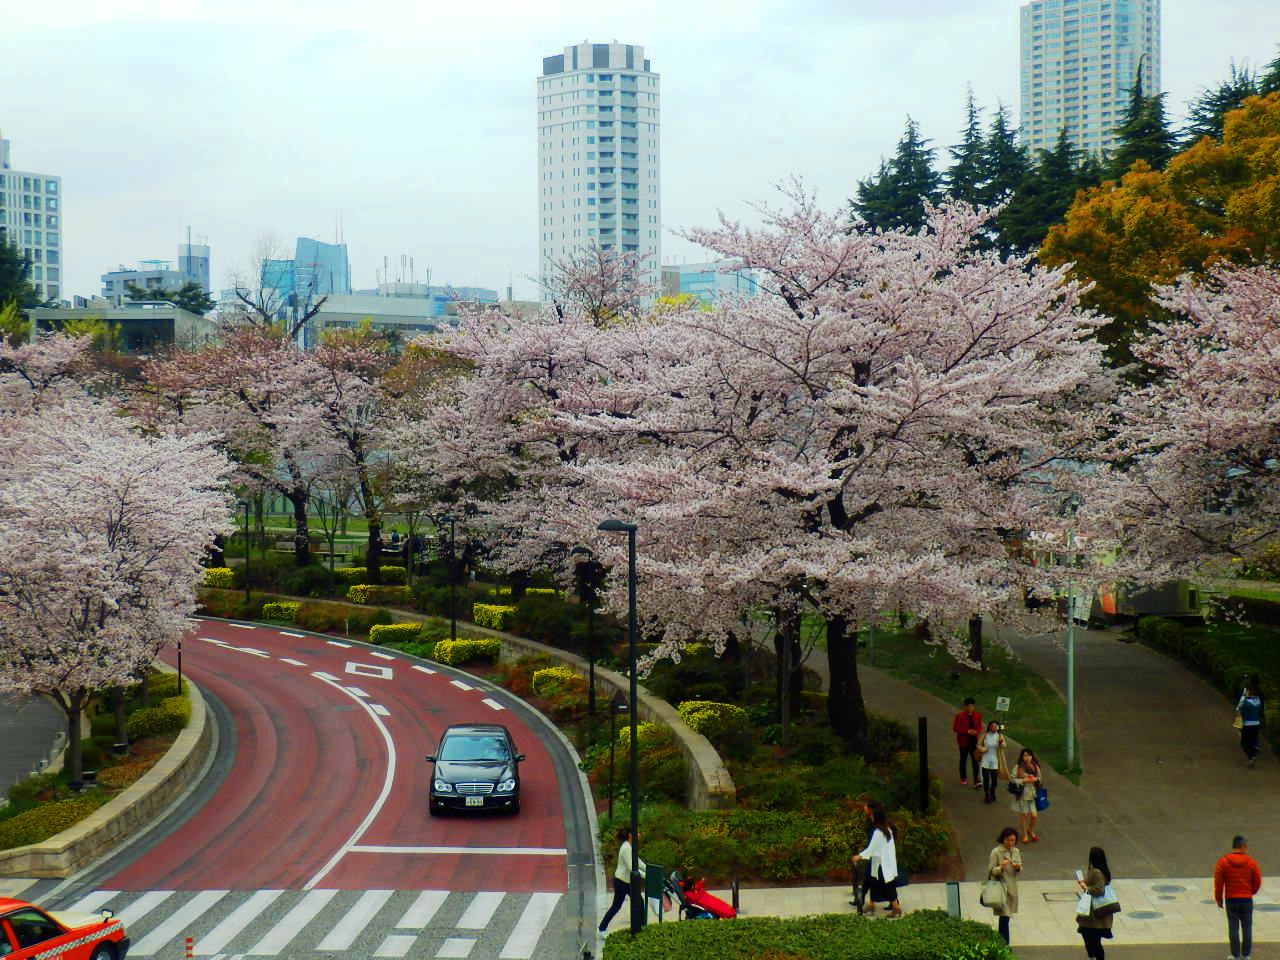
[(30, 933)]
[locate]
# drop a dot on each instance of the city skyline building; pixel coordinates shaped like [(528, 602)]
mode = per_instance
[(1079, 59), (711, 281), (599, 151), (192, 267), (31, 218)]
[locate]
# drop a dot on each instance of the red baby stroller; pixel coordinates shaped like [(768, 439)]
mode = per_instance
[(695, 902)]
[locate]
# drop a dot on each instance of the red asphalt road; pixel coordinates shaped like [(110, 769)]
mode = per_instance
[(311, 764)]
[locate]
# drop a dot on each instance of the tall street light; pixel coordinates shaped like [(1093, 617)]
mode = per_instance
[(587, 571), (245, 504), (613, 525), (453, 576)]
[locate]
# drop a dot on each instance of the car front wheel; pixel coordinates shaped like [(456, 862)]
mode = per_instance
[(104, 952)]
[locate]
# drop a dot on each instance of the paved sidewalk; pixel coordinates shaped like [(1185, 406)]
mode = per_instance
[(28, 728)]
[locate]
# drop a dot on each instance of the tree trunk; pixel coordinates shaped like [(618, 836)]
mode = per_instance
[(73, 706), (301, 527), (260, 523), (845, 709), (373, 552), (144, 689), (975, 639), (519, 584), (117, 705), (217, 554), (788, 677)]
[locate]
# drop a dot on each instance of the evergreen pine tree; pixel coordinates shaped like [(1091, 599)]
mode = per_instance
[(1206, 112), (1269, 78), (1006, 162), (1041, 200), (896, 195), (15, 277), (1145, 133), (967, 175)]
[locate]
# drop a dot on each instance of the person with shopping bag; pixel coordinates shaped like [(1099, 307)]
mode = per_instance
[(882, 852), (1098, 904), (1000, 891)]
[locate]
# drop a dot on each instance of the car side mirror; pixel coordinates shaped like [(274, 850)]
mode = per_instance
[(519, 757), (431, 759), (107, 915)]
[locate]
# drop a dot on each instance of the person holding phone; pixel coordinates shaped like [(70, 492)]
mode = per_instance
[(1093, 881), (1004, 864), (1252, 713), (1026, 775)]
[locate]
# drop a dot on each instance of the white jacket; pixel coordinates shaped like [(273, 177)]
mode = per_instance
[(883, 854), (623, 872)]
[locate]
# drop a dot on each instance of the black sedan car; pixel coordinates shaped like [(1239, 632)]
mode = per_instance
[(476, 768)]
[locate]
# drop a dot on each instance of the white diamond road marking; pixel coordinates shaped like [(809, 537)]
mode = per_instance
[(291, 924), (177, 922), (373, 670), (456, 947), (384, 656), (142, 906), (241, 917), (423, 910), (524, 938), (91, 903), (288, 633), (296, 663), (379, 709), (494, 704), (462, 686), (357, 918), (421, 669), (335, 643), (480, 912), (243, 626), (395, 946), (357, 692)]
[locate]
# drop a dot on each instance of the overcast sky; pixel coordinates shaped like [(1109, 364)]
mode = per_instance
[(414, 120)]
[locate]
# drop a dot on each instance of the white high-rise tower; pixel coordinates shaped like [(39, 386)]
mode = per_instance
[(599, 130)]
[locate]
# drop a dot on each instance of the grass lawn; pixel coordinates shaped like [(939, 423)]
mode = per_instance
[(1037, 717), (1263, 591)]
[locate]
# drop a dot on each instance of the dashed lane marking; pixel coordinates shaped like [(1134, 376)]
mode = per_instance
[(335, 643), (379, 709), (384, 656), (286, 633), (243, 626), (356, 692), (494, 704), (290, 660), (214, 640), (421, 669), (253, 650), (462, 686), (327, 677)]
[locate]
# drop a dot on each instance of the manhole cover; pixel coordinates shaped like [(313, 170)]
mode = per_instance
[(1267, 907), (1166, 896), (1145, 915), (1066, 897), (1168, 888), (1175, 761)]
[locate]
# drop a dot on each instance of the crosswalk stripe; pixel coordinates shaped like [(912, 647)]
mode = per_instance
[(480, 911), (240, 917), (396, 945), (524, 938), (357, 918), (282, 934), (93, 902), (177, 922), (456, 947), (142, 906), (423, 910)]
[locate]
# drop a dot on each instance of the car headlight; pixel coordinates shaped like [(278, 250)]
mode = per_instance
[(507, 785), (443, 787)]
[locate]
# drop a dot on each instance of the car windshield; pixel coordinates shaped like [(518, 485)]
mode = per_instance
[(474, 748)]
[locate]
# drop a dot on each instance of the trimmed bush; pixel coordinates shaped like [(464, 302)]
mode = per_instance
[(168, 716), (320, 617), (887, 737), (432, 598), (712, 720), (920, 935), (29, 790), (351, 575), (495, 616), (457, 652), (362, 621), (369, 593), (309, 581), (553, 680), (541, 592), (664, 772), (426, 651), (395, 632), (285, 610), (43, 822), (220, 577), (393, 576)]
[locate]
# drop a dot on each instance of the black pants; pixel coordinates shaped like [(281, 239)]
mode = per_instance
[(621, 891), (1249, 740), (990, 780), (1093, 943), (1004, 925), (1240, 926), (967, 754)]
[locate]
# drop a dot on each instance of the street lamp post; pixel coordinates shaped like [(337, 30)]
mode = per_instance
[(245, 504), (613, 525), (1071, 656), (587, 575), (453, 576)]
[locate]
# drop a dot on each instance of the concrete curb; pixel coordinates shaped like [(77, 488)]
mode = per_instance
[(77, 846)]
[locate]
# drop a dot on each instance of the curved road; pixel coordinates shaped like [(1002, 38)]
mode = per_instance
[(312, 836)]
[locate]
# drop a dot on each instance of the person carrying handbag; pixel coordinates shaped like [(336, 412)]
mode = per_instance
[(1095, 924), (1026, 777), (882, 852), (1000, 892), (1249, 715)]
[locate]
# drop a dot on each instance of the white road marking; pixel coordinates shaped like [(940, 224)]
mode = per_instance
[(296, 663), (90, 904), (481, 851), (493, 703), (379, 709), (292, 923), (456, 947), (528, 930), (346, 930), (356, 692), (396, 945), (142, 906), (327, 677), (243, 626), (371, 670), (335, 643), (423, 910), (237, 920), (419, 667), (195, 620), (252, 650), (384, 656), (462, 686), (174, 925), (287, 633), (480, 912), (221, 643)]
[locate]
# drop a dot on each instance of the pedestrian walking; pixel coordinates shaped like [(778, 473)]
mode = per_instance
[(869, 809), (967, 727), (989, 751), (1026, 777), (1236, 880), (1095, 926), (882, 854), (1003, 866), (1251, 710), (621, 877)]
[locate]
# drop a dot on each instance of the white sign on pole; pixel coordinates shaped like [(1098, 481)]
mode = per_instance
[(1002, 704)]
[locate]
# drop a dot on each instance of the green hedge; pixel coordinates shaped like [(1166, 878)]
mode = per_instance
[(395, 633), (42, 822), (495, 616), (553, 680), (920, 935), (542, 592), (168, 716), (712, 720), (372, 593), (457, 652), (221, 577), (1251, 610), (391, 575), (285, 610)]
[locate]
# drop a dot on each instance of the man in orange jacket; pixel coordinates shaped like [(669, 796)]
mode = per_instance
[(1236, 879)]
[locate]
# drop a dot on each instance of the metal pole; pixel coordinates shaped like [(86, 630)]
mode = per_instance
[(453, 579), (1071, 663), (613, 743), (246, 551), (179, 665), (637, 889), (922, 732)]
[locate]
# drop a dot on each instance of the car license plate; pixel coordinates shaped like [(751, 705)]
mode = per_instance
[(475, 801)]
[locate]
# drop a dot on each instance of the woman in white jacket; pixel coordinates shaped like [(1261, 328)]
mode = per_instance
[(882, 853), (621, 877)]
